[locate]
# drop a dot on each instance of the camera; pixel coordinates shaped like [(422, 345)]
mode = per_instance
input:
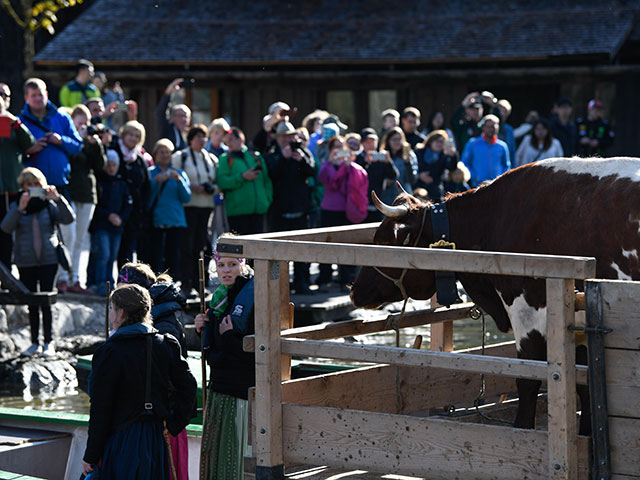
[(295, 146), (378, 156), (188, 83), (208, 187), (37, 192), (91, 130)]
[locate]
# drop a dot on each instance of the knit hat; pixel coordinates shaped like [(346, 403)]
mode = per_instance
[(112, 156)]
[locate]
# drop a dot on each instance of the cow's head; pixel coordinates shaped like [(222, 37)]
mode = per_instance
[(400, 227)]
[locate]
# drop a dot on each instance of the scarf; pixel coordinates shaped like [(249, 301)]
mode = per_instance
[(35, 205), (129, 156), (219, 300)]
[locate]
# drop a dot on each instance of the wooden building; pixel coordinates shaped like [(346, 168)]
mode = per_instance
[(357, 58)]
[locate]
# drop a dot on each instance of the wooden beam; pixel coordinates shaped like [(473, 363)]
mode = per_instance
[(623, 382), (498, 263), (420, 358), (347, 328), (426, 447), (620, 311), (268, 435), (563, 463)]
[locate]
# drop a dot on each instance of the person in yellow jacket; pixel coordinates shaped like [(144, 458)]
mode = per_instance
[(245, 182), (80, 89)]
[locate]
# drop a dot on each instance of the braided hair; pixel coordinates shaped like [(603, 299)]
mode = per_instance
[(136, 303)]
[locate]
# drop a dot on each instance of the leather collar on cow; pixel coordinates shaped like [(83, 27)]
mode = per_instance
[(446, 290)]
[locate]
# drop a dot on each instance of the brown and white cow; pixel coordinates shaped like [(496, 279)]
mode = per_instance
[(563, 206)]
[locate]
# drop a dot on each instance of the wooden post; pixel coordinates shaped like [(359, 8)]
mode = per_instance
[(441, 333), (268, 307), (286, 322), (563, 455)]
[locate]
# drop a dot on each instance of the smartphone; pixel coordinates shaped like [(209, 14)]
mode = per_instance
[(343, 154), (378, 156), (5, 127), (188, 83), (122, 107), (37, 192)]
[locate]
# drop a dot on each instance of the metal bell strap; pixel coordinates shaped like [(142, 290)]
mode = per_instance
[(446, 290)]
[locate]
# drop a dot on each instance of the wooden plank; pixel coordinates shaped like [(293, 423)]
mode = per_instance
[(362, 326), (392, 389), (620, 311), (623, 382), (418, 358), (624, 434), (435, 448), (561, 381), (416, 258), (268, 436)]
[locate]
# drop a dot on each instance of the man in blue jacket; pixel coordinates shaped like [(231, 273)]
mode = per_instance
[(56, 137), (486, 156)]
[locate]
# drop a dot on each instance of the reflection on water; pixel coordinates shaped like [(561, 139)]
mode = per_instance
[(74, 401)]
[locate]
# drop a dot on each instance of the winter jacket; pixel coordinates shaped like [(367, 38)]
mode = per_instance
[(74, 93), (290, 179), (113, 197), (233, 370), (407, 175), (200, 168), (595, 130), (12, 149), (136, 176), (172, 195), (507, 135), (244, 197), (334, 179), (567, 135), (168, 304), (24, 254), (527, 153), (378, 172), (53, 160), (118, 379), (82, 181), (484, 160), (434, 163)]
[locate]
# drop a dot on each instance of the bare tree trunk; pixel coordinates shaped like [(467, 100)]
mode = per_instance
[(29, 41)]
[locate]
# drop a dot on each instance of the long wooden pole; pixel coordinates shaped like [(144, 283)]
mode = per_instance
[(106, 316), (203, 363)]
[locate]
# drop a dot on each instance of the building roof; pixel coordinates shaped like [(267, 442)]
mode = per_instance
[(225, 32)]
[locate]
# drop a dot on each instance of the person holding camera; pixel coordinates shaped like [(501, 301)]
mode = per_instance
[(83, 193), (380, 169), (32, 219), (245, 181), (170, 190), (200, 167), (290, 167)]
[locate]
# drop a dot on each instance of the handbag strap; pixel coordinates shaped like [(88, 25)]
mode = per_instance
[(148, 405)]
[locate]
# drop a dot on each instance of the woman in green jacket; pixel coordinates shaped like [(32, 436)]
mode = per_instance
[(243, 177)]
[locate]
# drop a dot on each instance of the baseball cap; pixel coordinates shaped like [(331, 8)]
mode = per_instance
[(368, 133), (274, 107)]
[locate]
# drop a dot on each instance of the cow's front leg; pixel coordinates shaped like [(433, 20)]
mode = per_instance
[(528, 395), (532, 347)]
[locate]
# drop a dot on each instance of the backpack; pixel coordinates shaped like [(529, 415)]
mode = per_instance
[(357, 194)]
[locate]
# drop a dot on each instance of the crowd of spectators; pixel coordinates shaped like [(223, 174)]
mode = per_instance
[(166, 206)]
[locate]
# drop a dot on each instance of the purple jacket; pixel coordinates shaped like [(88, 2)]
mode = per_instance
[(334, 180)]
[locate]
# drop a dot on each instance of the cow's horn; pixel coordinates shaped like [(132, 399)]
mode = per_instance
[(391, 211), (400, 188)]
